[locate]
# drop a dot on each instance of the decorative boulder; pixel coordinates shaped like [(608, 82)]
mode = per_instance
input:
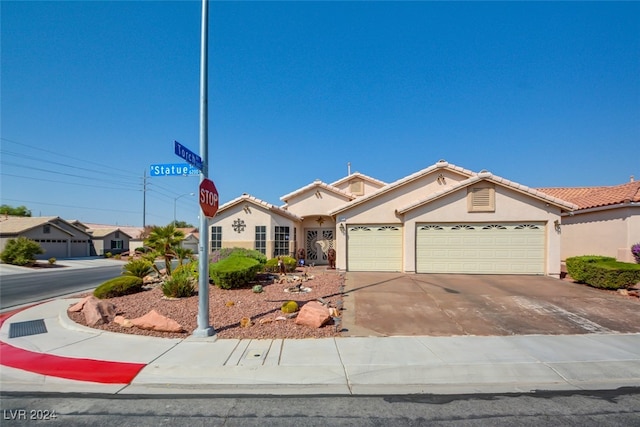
[(154, 321), (97, 311), (77, 307), (313, 314)]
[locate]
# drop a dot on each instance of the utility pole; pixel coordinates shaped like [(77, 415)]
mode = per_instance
[(204, 329), (144, 199)]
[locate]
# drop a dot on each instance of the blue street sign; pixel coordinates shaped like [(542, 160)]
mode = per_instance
[(191, 157), (173, 169)]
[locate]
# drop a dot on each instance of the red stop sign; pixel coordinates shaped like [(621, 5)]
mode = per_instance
[(208, 198)]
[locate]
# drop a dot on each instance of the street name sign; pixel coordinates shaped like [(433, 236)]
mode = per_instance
[(173, 169), (191, 157), (208, 198)]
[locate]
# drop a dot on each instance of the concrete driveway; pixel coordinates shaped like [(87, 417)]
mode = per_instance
[(397, 304)]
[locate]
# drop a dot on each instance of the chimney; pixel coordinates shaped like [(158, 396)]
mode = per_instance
[(631, 179)]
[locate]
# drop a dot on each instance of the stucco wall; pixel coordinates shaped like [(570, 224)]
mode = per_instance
[(511, 206), (608, 232), (252, 217), (316, 201)]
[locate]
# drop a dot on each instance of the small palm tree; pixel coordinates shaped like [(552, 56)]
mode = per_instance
[(183, 253), (164, 241)]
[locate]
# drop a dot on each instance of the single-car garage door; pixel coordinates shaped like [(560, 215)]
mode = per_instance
[(374, 248), (503, 248)]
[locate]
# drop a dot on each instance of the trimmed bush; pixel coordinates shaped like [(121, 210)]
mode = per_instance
[(178, 285), (272, 265), (21, 251), (613, 274), (234, 272), (577, 266), (119, 286), (52, 260), (224, 253)]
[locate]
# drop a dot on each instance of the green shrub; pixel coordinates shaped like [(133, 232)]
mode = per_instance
[(190, 268), (612, 274), (138, 268), (20, 251), (52, 260), (119, 286), (289, 307), (577, 266), (233, 272), (224, 253), (108, 255), (272, 265), (179, 285), (257, 289)]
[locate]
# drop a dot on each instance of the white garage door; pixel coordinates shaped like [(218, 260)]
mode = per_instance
[(481, 248), (374, 248)]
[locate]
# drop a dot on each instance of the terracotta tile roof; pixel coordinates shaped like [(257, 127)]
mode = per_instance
[(20, 224), (488, 176), (103, 232), (315, 184), (133, 232), (359, 175), (265, 205), (591, 197), (441, 164)]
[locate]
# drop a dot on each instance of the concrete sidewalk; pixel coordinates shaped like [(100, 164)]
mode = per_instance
[(354, 365)]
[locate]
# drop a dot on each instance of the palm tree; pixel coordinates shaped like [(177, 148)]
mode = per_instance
[(183, 253), (164, 241)]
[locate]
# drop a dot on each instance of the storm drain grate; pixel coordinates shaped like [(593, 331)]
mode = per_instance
[(24, 329)]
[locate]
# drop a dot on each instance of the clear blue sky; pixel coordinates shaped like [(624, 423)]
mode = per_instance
[(93, 93)]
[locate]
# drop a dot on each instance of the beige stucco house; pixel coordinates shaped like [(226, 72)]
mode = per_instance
[(109, 240), (442, 219), (607, 221), (59, 238)]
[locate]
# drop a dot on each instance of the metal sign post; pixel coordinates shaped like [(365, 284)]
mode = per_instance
[(204, 329)]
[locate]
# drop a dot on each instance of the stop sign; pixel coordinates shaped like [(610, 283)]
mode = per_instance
[(208, 198)]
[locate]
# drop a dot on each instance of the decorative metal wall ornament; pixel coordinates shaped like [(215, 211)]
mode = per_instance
[(320, 221), (238, 225)]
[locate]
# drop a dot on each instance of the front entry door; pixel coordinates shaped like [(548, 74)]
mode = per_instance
[(317, 243)]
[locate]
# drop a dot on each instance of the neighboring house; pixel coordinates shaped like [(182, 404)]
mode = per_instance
[(109, 240), (191, 239), (132, 242), (442, 219), (607, 221), (59, 238)]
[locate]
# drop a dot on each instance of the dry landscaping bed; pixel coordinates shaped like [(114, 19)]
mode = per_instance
[(228, 307)]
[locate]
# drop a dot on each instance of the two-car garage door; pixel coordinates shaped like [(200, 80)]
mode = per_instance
[(503, 248)]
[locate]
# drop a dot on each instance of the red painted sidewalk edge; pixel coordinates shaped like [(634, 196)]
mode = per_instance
[(80, 369)]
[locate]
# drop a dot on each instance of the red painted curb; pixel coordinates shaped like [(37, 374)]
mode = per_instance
[(91, 370)]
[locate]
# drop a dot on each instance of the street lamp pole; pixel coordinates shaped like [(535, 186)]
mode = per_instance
[(175, 202)]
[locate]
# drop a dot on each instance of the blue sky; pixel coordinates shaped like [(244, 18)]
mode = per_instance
[(93, 93)]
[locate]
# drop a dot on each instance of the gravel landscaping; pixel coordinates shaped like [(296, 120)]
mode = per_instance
[(228, 307)]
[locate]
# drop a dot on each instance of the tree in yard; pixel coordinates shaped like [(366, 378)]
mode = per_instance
[(21, 251), (164, 241), (182, 224), (10, 210)]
